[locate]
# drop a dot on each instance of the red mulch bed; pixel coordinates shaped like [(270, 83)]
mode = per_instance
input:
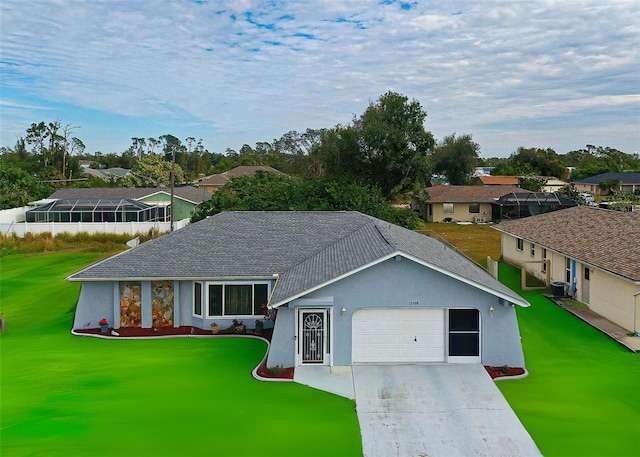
[(165, 331), (499, 372), (284, 373)]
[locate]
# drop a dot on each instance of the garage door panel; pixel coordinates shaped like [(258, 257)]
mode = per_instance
[(398, 335)]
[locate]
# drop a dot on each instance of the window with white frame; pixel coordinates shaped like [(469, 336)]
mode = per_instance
[(236, 299), (447, 208), (544, 260), (533, 250), (519, 244), (567, 266)]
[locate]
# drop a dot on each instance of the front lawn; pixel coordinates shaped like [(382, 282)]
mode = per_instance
[(582, 395), (69, 395)]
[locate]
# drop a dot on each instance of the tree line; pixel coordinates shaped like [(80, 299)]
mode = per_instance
[(386, 149)]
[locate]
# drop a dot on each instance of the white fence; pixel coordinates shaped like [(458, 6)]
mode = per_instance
[(55, 228), (14, 214)]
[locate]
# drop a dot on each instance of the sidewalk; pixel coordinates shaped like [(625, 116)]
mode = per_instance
[(614, 331)]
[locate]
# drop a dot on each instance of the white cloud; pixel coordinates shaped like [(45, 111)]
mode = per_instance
[(268, 67)]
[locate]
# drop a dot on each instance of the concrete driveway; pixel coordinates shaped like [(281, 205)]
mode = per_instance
[(436, 411)]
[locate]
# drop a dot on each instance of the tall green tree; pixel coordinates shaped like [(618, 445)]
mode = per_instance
[(271, 192), (542, 162), (18, 187), (456, 158), (532, 183), (387, 146), (152, 171)]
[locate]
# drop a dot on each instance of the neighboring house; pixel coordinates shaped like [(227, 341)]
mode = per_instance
[(110, 210), (595, 252), (107, 174), (482, 171), (552, 185), (629, 182), (462, 203), (348, 288), (215, 182), (186, 198), (513, 181)]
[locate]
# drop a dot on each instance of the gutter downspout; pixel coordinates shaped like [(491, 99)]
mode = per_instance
[(635, 308)]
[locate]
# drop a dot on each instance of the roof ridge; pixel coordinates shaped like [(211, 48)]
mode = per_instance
[(336, 241)]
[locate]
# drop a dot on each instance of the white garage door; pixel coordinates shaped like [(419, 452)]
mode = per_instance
[(398, 335)]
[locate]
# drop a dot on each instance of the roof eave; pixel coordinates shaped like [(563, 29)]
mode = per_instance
[(510, 298)]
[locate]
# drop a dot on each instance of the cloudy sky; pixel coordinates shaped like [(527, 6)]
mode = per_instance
[(559, 74)]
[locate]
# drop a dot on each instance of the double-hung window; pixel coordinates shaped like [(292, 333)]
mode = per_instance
[(519, 244), (236, 299)]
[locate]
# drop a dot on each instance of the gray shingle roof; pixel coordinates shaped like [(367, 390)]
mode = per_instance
[(221, 179), (188, 193), (306, 250), (605, 239), (625, 178)]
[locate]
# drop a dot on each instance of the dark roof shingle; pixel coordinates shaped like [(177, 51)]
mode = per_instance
[(305, 249), (189, 193), (469, 194), (605, 239)]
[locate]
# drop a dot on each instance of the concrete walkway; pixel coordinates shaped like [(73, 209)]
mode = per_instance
[(439, 410), (613, 331), (337, 380)]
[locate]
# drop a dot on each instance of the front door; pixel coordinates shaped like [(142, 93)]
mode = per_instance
[(313, 336)]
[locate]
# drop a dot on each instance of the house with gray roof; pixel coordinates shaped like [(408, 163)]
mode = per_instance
[(594, 252), (119, 210), (344, 288), (214, 182), (628, 182)]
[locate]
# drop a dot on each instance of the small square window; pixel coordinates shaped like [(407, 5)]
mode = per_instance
[(474, 208), (447, 208), (519, 244), (533, 250)]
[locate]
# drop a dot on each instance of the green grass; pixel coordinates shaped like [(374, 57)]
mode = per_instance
[(477, 241), (63, 395), (582, 395), (67, 395)]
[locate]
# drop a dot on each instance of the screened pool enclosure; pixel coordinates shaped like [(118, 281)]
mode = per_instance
[(517, 205), (98, 210)]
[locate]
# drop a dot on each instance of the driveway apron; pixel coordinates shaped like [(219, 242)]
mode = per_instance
[(439, 410)]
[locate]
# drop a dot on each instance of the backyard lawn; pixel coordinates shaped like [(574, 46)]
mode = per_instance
[(64, 395)]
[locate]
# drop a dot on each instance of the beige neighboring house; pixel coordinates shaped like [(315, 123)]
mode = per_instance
[(552, 185), (462, 203), (215, 182), (629, 182), (595, 252)]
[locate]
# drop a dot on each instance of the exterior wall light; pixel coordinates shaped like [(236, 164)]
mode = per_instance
[(343, 311), (491, 310)]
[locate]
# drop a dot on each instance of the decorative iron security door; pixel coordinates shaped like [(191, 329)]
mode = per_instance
[(313, 336)]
